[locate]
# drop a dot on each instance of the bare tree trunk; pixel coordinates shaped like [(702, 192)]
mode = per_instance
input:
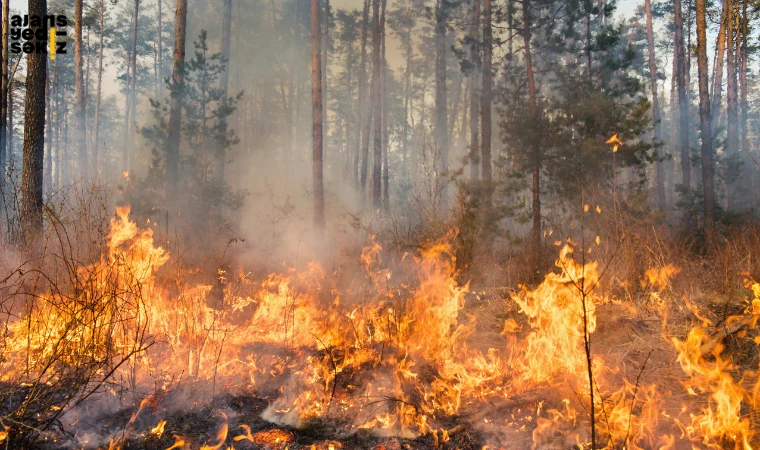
[(708, 184), (485, 103), (683, 106), (81, 117), (325, 29), (34, 133), (133, 90), (474, 88), (384, 105), (49, 92), (732, 119), (377, 112), (720, 52), (535, 239), (364, 106), (4, 83), (221, 156), (96, 141), (441, 126), (660, 175), (316, 111), (159, 43), (743, 79), (408, 50), (175, 112)]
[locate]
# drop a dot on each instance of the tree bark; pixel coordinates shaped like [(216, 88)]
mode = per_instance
[(441, 126), (365, 107), (81, 118), (485, 105), (474, 88), (743, 79), (34, 134), (708, 184), (732, 119), (4, 82), (535, 237), (316, 111), (175, 111), (224, 76), (408, 50), (325, 29), (384, 104), (660, 175), (683, 107), (96, 141), (376, 105), (720, 52)]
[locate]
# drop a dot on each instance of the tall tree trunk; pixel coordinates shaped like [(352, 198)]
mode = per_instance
[(474, 88), (316, 111), (96, 141), (743, 79), (175, 108), (49, 93), (720, 52), (376, 105), (704, 118), (325, 29), (34, 132), (441, 126), (683, 106), (81, 117), (384, 104), (660, 175), (732, 119), (408, 50), (4, 83), (364, 106), (535, 237), (159, 43), (485, 102), (221, 156), (133, 89)]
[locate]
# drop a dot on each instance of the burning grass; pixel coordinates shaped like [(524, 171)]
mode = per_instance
[(390, 355)]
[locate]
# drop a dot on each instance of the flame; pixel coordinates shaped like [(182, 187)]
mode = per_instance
[(158, 430), (378, 354)]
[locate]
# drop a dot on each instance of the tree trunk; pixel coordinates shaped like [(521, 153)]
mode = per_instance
[(96, 141), (743, 79), (408, 50), (720, 52), (384, 105), (175, 112), (683, 106), (160, 32), (49, 93), (535, 239), (4, 83), (133, 89), (441, 126), (376, 105), (81, 123), (364, 108), (316, 111), (221, 156), (325, 28), (34, 133), (732, 131), (704, 118), (660, 175), (485, 103), (474, 88)]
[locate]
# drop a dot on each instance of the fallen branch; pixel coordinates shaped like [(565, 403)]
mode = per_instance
[(732, 325)]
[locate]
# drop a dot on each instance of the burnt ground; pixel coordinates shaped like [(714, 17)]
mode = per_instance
[(199, 425)]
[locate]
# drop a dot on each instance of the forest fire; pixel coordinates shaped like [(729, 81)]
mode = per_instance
[(384, 357)]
